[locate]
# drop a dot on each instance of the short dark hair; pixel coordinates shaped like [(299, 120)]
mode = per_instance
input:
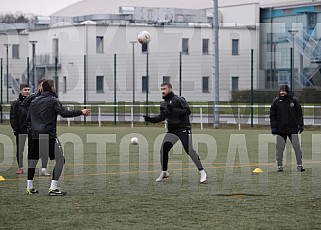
[(23, 86), (48, 85), (167, 84)]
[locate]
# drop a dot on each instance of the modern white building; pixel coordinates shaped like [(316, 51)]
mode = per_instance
[(180, 50), (13, 49), (290, 45), (90, 49)]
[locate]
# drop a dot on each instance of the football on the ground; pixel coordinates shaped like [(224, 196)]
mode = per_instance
[(144, 37)]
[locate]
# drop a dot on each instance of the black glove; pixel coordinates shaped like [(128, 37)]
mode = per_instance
[(147, 118), (274, 131), (301, 129), (169, 107)]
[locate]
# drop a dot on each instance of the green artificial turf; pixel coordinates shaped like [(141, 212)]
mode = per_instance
[(111, 184)]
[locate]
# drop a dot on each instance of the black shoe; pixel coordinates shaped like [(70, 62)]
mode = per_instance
[(56, 192), (31, 191), (300, 168), (280, 169)]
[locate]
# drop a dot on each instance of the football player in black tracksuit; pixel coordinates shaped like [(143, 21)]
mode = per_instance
[(286, 118), (43, 114), (18, 121), (25, 106), (176, 111)]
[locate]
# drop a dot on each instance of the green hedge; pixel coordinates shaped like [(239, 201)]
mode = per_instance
[(308, 95)]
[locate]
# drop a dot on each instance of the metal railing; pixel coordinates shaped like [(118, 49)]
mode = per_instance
[(202, 114), (310, 48)]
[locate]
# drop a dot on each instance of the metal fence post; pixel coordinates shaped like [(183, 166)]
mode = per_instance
[(115, 88), (201, 116), (132, 115), (99, 116)]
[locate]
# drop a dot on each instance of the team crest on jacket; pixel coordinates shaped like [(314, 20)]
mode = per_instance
[(291, 104)]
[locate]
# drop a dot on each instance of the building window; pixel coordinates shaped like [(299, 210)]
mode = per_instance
[(185, 45), (284, 77), (99, 84), (205, 84), (269, 42), (15, 51), (311, 20), (144, 84), (99, 44), (205, 46), (235, 46), (64, 89), (55, 48), (235, 83), (166, 79), (144, 47)]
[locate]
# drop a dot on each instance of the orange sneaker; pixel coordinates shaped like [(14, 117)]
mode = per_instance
[(20, 171)]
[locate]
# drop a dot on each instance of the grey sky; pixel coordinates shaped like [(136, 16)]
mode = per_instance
[(48, 7), (262, 2), (38, 7)]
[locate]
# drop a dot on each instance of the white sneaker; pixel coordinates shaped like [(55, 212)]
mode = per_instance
[(162, 176), (45, 173), (203, 176)]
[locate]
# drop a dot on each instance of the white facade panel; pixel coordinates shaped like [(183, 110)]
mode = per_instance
[(247, 14), (164, 60)]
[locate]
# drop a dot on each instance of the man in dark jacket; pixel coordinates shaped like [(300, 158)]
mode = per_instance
[(25, 106), (175, 111), (286, 120), (43, 114), (18, 121)]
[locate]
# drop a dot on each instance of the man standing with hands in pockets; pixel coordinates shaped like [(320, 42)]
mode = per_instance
[(286, 118), (18, 121)]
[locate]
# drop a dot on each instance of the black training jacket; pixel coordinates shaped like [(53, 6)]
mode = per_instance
[(43, 113), (26, 103), (18, 116), (286, 115), (178, 117)]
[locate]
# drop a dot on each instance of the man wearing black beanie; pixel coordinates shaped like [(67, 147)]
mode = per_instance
[(286, 120)]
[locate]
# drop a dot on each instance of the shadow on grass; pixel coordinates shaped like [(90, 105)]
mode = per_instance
[(239, 195)]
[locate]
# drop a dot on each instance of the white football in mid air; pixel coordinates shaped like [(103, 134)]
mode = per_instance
[(144, 37), (134, 141)]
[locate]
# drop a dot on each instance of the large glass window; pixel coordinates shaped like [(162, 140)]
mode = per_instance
[(99, 44), (205, 84), (99, 84), (144, 84), (205, 46), (145, 47), (235, 46), (235, 83), (185, 45), (167, 79), (15, 51), (64, 89), (55, 49)]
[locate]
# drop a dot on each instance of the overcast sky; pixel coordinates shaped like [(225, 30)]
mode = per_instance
[(38, 7), (262, 2), (48, 7)]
